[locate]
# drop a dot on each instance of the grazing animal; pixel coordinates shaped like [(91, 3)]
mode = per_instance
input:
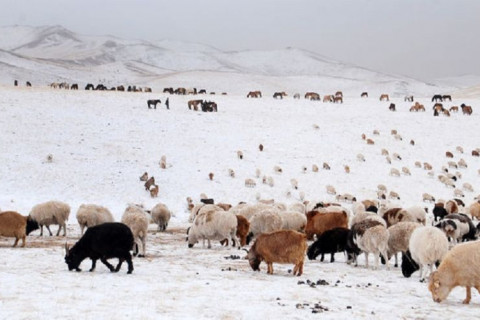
[(161, 216), (260, 147), (446, 97), (210, 176), (427, 246), (384, 97), (448, 154), (326, 166), (51, 212), (254, 94), (466, 109), (437, 97), (153, 103), (279, 95), (458, 268), (399, 237), (90, 215), (231, 173), (369, 236), (250, 183), (439, 211), (312, 96), (392, 107), (154, 191), (364, 95), (144, 177), (13, 224), (283, 246), (150, 182), (213, 225), (331, 241), (318, 223), (136, 219), (408, 98), (105, 241)]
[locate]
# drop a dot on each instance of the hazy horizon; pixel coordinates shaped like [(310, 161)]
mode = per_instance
[(425, 40)]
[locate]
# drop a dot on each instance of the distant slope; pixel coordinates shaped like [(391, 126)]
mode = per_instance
[(53, 53)]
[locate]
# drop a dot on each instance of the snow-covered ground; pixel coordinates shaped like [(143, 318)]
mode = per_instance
[(101, 142)]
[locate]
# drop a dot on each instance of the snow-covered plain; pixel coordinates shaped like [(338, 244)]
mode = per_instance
[(102, 142)]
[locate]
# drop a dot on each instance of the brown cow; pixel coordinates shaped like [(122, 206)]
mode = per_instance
[(283, 246), (318, 223)]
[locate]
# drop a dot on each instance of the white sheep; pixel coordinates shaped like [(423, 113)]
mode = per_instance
[(161, 216), (331, 190), (213, 225), (467, 187), (385, 152), (51, 212), (428, 245), (458, 193), (452, 164), (382, 187), (249, 210), (231, 173), (373, 240), (418, 164), (136, 219), (396, 156), (298, 207), (89, 215), (293, 220), (449, 183), (277, 169), (360, 157), (418, 214), (267, 220), (459, 149), (399, 237), (394, 172), (250, 183), (406, 171), (240, 154), (294, 183), (366, 215), (462, 163), (394, 195), (314, 168)]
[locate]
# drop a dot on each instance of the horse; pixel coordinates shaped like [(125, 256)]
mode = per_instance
[(168, 90), (15, 83), (364, 95), (89, 87), (296, 96), (202, 91), (153, 102), (438, 107), (408, 98), (193, 104), (209, 106), (338, 99), (312, 96), (74, 86), (392, 107), (339, 94), (437, 97), (328, 98), (446, 97), (384, 97), (147, 89), (453, 109), (254, 94), (120, 88), (466, 109), (279, 95)]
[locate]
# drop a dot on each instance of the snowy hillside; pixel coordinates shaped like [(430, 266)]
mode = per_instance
[(52, 53), (101, 142)]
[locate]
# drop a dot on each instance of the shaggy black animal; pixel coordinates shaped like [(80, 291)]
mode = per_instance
[(105, 241), (330, 241), (439, 212), (32, 225), (89, 86), (409, 265), (372, 209), (74, 86), (437, 97), (154, 103), (209, 106)]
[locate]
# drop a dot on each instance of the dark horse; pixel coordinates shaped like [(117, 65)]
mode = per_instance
[(447, 97), (208, 106), (437, 97), (154, 103), (89, 87)]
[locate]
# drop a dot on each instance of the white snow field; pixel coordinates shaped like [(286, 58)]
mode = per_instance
[(101, 142)]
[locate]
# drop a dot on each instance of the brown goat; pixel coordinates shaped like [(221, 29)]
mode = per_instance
[(283, 246), (318, 223), (150, 182), (13, 224)]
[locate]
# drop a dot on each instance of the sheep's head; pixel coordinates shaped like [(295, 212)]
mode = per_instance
[(72, 259), (191, 239), (313, 252), (32, 225), (409, 266), (438, 289), (254, 259)]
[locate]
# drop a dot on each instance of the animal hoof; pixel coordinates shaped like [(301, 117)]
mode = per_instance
[(78, 269)]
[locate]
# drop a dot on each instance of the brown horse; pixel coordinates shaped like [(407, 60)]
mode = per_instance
[(453, 109), (312, 96), (466, 109), (279, 95), (328, 98), (384, 97), (338, 99), (254, 94), (168, 90), (193, 104)]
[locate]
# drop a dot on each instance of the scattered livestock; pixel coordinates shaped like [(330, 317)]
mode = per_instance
[(150, 182), (153, 103), (13, 224), (144, 176), (89, 215), (312, 96), (51, 212), (392, 107), (254, 94), (161, 216), (284, 246), (384, 97), (105, 241), (364, 95), (279, 95)]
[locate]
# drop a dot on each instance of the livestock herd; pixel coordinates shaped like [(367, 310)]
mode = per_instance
[(282, 232)]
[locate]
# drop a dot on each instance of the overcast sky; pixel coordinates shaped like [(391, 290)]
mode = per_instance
[(424, 39)]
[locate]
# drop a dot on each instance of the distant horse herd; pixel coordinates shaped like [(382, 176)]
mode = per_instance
[(209, 106)]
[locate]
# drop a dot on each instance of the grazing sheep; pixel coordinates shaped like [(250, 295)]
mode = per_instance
[(360, 157), (298, 207), (451, 206), (376, 132), (364, 136), (293, 220), (213, 225), (136, 219), (347, 169), (370, 141), (418, 213), (304, 169), (231, 173), (399, 237), (318, 223), (367, 215), (394, 195), (458, 227), (144, 177), (294, 183), (462, 164), (240, 154), (393, 132), (105, 241), (397, 137), (331, 190), (249, 210), (394, 172), (51, 212), (459, 149), (395, 215), (284, 246), (267, 220), (474, 210), (388, 159), (427, 246), (243, 228), (427, 166), (412, 142), (396, 156), (458, 193), (326, 166), (277, 169), (331, 241), (368, 236), (250, 183), (89, 215), (458, 268), (418, 164), (161, 216), (448, 154), (451, 164), (382, 187), (314, 168), (406, 171), (385, 152), (467, 187), (13, 224), (260, 147), (475, 153)]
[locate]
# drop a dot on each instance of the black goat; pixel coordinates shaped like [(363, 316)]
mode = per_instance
[(105, 241), (330, 241)]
